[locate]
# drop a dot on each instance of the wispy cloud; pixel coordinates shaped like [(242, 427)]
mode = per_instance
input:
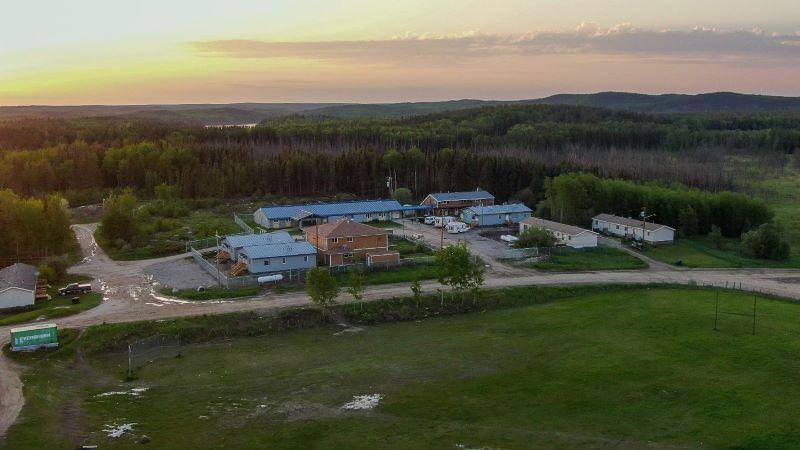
[(588, 38)]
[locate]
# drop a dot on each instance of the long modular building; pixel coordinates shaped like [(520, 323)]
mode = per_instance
[(488, 216), (288, 216)]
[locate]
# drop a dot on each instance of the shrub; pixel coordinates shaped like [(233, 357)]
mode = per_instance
[(535, 237), (765, 242)]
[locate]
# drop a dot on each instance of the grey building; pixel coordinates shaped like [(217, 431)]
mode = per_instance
[(233, 245), (488, 216), (18, 286), (276, 258), (287, 216)]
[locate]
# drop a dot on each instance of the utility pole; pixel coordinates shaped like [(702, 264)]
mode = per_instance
[(441, 239), (644, 217)]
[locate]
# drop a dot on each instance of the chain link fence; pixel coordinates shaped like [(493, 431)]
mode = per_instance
[(144, 351)]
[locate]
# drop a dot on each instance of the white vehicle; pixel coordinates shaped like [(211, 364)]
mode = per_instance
[(509, 238), (430, 220), (443, 221), (456, 227)]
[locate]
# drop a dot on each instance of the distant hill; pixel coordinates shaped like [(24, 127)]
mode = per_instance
[(677, 103), (247, 113)]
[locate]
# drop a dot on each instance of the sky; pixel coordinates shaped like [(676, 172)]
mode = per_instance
[(202, 51)]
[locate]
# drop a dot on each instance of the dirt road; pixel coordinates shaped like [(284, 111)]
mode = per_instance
[(129, 294)]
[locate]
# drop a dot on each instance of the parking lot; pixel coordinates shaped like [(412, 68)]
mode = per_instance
[(491, 251)]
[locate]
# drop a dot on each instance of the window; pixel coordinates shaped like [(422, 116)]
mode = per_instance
[(266, 262), (369, 215), (618, 227), (305, 258), (284, 260), (335, 240), (500, 216), (349, 238), (348, 255), (275, 224)]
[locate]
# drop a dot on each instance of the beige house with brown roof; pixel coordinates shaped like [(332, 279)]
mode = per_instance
[(568, 235), (349, 242)]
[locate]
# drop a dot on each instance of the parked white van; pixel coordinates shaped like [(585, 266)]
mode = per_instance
[(456, 227), (443, 221), (430, 220)]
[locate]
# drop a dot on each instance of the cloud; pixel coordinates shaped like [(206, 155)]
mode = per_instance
[(587, 38)]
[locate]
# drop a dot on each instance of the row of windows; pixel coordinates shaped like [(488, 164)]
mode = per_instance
[(283, 260)]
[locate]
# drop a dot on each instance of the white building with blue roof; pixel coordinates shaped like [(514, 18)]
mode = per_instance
[(287, 216), (488, 216)]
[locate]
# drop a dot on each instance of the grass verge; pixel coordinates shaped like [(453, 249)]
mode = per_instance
[(598, 258)]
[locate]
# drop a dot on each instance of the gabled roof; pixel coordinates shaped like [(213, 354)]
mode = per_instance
[(251, 240), (459, 196), (344, 228), (297, 212), (556, 226), (280, 250), (628, 222), (499, 209), (20, 276)]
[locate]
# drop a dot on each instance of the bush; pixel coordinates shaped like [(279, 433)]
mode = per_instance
[(765, 242), (535, 237), (715, 237)]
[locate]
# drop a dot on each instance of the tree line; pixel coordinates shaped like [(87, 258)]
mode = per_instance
[(576, 197), (33, 229)]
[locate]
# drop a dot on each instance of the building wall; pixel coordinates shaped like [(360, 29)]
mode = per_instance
[(663, 235), (16, 297), (257, 266), (384, 259), (583, 240), (453, 208), (488, 220)]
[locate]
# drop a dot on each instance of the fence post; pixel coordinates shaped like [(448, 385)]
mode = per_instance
[(130, 361)]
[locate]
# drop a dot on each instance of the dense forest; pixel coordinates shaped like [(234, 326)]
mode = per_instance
[(506, 149), (511, 151)]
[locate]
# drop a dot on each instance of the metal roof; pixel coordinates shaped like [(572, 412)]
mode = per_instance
[(280, 250), (556, 226), (456, 196), (331, 209), (344, 228), (250, 240), (499, 209), (635, 223), (19, 275)]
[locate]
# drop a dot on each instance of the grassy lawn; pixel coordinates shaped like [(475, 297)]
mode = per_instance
[(699, 252), (402, 274), (55, 307), (211, 294), (598, 258), (409, 249), (384, 224), (601, 368)]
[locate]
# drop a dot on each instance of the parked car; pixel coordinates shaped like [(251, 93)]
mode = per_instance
[(509, 238), (430, 220), (456, 227), (75, 288), (443, 221)]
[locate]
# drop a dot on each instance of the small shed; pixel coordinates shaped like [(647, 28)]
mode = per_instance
[(488, 216), (18, 285)]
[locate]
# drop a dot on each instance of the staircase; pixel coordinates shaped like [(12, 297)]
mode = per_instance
[(222, 256), (238, 269)]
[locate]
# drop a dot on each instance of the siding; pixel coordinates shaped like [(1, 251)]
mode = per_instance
[(15, 297), (258, 266)]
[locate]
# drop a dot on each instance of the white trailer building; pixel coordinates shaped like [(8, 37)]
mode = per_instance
[(636, 229), (568, 235), (18, 286)]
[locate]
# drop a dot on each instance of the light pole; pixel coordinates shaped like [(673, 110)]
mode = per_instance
[(644, 217)]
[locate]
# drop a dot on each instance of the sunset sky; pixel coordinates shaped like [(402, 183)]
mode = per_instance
[(202, 51)]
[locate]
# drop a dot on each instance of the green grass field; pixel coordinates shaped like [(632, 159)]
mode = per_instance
[(598, 258), (401, 274), (210, 294), (628, 368), (55, 307)]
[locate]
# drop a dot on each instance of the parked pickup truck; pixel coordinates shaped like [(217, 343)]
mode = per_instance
[(75, 288)]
